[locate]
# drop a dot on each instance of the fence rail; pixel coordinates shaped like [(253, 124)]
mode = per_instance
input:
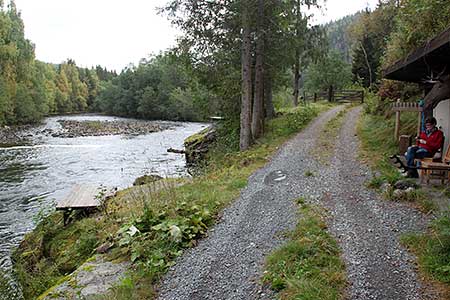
[(336, 96)]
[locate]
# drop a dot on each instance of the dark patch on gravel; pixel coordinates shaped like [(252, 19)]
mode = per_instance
[(229, 263)]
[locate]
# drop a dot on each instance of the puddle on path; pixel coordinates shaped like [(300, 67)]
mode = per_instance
[(275, 177)]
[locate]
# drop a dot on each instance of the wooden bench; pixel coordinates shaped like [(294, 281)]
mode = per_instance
[(432, 169), (85, 198)]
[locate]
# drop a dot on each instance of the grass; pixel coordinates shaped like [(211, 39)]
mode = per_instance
[(378, 144), (309, 265), (418, 197), (169, 217), (433, 247), (327, 138), (433, 252)]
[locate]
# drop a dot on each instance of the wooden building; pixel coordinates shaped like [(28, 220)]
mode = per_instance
[(429, 66)]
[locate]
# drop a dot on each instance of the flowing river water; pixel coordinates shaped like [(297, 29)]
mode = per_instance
[(35, 176)]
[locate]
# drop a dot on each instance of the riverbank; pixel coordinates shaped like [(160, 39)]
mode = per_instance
[(167, 221), (69, 128), (73, 128), (15, 135)]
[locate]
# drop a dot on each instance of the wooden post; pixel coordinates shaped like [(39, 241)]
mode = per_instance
[(419, 124), (397, 124), (330, 94), (315, 97), (304, 97)]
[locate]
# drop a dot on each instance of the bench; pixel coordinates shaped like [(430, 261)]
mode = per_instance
[(84, 198), (431, 168)]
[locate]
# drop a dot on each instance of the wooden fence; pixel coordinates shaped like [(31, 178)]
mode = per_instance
[(336, 96)]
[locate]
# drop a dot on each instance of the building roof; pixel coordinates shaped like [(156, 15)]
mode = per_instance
[(418, 65)]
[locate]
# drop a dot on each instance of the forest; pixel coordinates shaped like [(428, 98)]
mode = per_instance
[(238, 59)]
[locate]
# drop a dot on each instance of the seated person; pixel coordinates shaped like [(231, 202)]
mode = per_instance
[(427, 144)]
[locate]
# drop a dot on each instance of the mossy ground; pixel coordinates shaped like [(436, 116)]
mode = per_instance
[(150, 224)]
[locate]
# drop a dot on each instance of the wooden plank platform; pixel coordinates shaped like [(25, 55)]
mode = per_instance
[(84, 196)]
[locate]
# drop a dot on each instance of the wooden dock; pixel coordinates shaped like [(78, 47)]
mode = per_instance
[(84, 197)]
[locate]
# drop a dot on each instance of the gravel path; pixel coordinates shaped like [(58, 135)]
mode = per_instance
[(368, 227), (228, 264)]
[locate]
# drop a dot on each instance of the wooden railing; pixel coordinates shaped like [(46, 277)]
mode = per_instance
[(336, 96)]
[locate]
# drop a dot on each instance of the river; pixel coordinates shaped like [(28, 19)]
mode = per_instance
[(35, 176)]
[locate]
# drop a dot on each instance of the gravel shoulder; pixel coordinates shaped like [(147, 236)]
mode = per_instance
[(228, 264)]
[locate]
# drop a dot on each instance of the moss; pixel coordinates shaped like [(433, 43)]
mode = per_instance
[(196, 138), (146, 179), (88, 268), (50, 291)]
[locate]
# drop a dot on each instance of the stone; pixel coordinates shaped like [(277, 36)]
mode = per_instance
[(405, 184), (197, 146)]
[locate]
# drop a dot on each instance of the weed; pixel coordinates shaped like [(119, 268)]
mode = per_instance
[(309, 174), (433, 251), (308, 266)]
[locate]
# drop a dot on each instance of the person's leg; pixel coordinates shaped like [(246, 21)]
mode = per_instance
[(411, 155), (417, 153)]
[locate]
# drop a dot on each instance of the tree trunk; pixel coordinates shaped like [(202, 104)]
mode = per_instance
[(268, 97), (245, 138), (296, 67), (258, 103), (296, 70), (439, 92)]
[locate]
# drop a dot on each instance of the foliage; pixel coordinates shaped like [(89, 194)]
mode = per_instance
[(339, 38), (416, 22), (30, 89), (433, 251), (332, 70), (309, 265), (51, 251), (150, 224), (369, 35), (161, 87)]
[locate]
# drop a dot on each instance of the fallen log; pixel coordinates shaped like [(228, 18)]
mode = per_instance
[(172, 150)]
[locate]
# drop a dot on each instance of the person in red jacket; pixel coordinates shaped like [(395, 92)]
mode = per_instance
[(427, 144)]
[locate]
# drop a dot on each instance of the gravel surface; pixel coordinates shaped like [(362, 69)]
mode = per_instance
[(368, 228), (229, 263)]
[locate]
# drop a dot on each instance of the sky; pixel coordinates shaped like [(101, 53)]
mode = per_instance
[(117, 33)]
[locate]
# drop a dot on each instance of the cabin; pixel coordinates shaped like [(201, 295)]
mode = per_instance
[(428, 66)]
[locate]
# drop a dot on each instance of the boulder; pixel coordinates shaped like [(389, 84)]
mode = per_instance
[(197, 146), (146, 179), (405, 184)]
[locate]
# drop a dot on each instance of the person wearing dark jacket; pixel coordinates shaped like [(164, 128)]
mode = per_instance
[(427, 144)]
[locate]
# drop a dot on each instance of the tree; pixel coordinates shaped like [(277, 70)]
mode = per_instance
[(245, 139), (330, 71)]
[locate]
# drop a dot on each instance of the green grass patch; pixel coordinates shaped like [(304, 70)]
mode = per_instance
[(327, 138), (151, 224), (309, 265), (377, 138), (433, 252)]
